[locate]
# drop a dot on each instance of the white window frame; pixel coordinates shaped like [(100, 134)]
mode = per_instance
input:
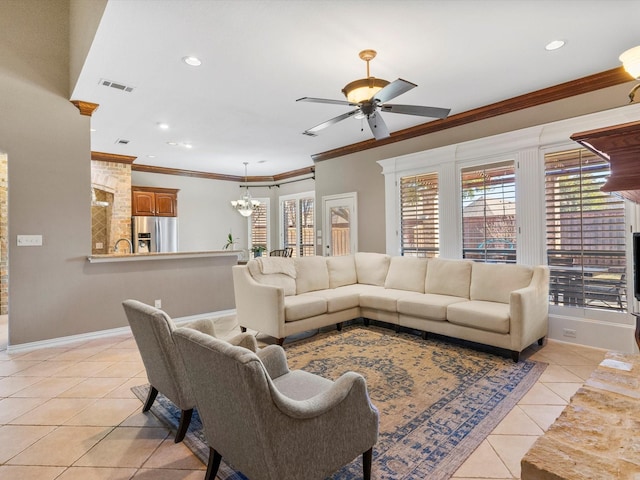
[(297, 197)]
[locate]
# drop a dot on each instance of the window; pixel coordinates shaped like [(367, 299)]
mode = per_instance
[(260, 225), (298, 224), (419, 234), (489, 213), (585, 233)]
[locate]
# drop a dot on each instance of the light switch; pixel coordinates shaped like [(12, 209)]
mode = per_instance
[(29, 240)]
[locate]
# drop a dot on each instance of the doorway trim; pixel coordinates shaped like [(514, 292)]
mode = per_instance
[(350, 198)]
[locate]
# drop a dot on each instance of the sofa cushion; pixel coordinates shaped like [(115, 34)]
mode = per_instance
[(311, 274), (489, 316), (495, 282), (303, 306), (383, 299), (448, 277), (372, 267), (338, 299), (406, 273), (276, 265), (281, 280), (342, 271), (428, 305)]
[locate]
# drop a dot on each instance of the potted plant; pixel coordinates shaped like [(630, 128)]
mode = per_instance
[(257, 250), (230, 242)]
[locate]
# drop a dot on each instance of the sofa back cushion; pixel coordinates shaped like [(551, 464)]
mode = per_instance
[(372, 268), (407, 273), (448, 277), (342, 271), (493, 282), (274, 276), (311, 274)]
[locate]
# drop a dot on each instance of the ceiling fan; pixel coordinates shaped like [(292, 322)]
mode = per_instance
[(369, 96)]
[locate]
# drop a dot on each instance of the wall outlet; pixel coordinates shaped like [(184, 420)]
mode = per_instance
[(29, 240), (99, 245), (158, 303), (568, 332)]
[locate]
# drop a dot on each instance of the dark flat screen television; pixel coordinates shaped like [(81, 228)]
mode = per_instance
[(636, 265)]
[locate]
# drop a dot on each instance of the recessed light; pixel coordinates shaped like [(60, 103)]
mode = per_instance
[(163, 126), (192, 61), (92, 130), (262, 161), (173, 144), (187, 145), (554, 45), (151, 156)]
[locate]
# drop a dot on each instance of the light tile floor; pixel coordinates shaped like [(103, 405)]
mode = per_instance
[(68, 413)]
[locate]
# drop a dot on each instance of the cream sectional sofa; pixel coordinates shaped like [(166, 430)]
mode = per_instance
[(505, 306)]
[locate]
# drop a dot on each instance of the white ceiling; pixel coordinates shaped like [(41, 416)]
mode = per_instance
[(258, 57)]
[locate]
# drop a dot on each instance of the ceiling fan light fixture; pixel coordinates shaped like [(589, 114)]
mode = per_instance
[(363, 89), (631, 61)]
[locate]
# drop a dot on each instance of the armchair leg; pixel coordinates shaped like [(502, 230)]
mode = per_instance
[(213, 465), (366, 322), (366, 464), (151, 397), (339, 326), (515, 356), (185, 420)]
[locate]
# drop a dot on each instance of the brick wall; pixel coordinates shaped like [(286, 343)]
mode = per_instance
[(112, 183)]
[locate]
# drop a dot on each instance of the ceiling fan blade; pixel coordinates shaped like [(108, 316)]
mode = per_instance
[(377, 125), (395, 88), (324, 100), (312, 131), (434, 112)]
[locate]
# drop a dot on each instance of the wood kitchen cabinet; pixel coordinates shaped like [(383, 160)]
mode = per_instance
[(154, 201)]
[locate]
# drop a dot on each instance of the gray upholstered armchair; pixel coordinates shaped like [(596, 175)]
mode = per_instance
[(152, 330), (272, 423)]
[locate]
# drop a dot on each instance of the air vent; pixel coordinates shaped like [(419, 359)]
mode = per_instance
[(122, 141), (116, 85), (309, 134)]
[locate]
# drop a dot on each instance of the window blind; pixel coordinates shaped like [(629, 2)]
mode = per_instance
[(586, 232), (259, 226), (419, 215), (489, 213)]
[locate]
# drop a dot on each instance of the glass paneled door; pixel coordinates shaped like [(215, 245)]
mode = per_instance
[(340, 224)]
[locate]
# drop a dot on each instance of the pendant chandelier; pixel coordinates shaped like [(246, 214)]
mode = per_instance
[(245, 205)]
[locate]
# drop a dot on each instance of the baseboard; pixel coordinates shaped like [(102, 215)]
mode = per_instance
[(56, 342), (593, 333)]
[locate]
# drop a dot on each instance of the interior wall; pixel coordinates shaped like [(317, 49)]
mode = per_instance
[(55, 292), (4, 236), (356, 173)]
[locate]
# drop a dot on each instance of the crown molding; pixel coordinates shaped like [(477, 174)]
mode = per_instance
[(219, 176), (112, 157), (608, 78), (86, 108)]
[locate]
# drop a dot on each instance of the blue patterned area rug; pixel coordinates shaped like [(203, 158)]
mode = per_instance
[(437, 400)]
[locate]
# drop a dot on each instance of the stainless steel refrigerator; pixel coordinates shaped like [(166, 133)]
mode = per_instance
[(155, 234)]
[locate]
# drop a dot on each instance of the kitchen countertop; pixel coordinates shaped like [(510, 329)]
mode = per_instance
[(136, 257)]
